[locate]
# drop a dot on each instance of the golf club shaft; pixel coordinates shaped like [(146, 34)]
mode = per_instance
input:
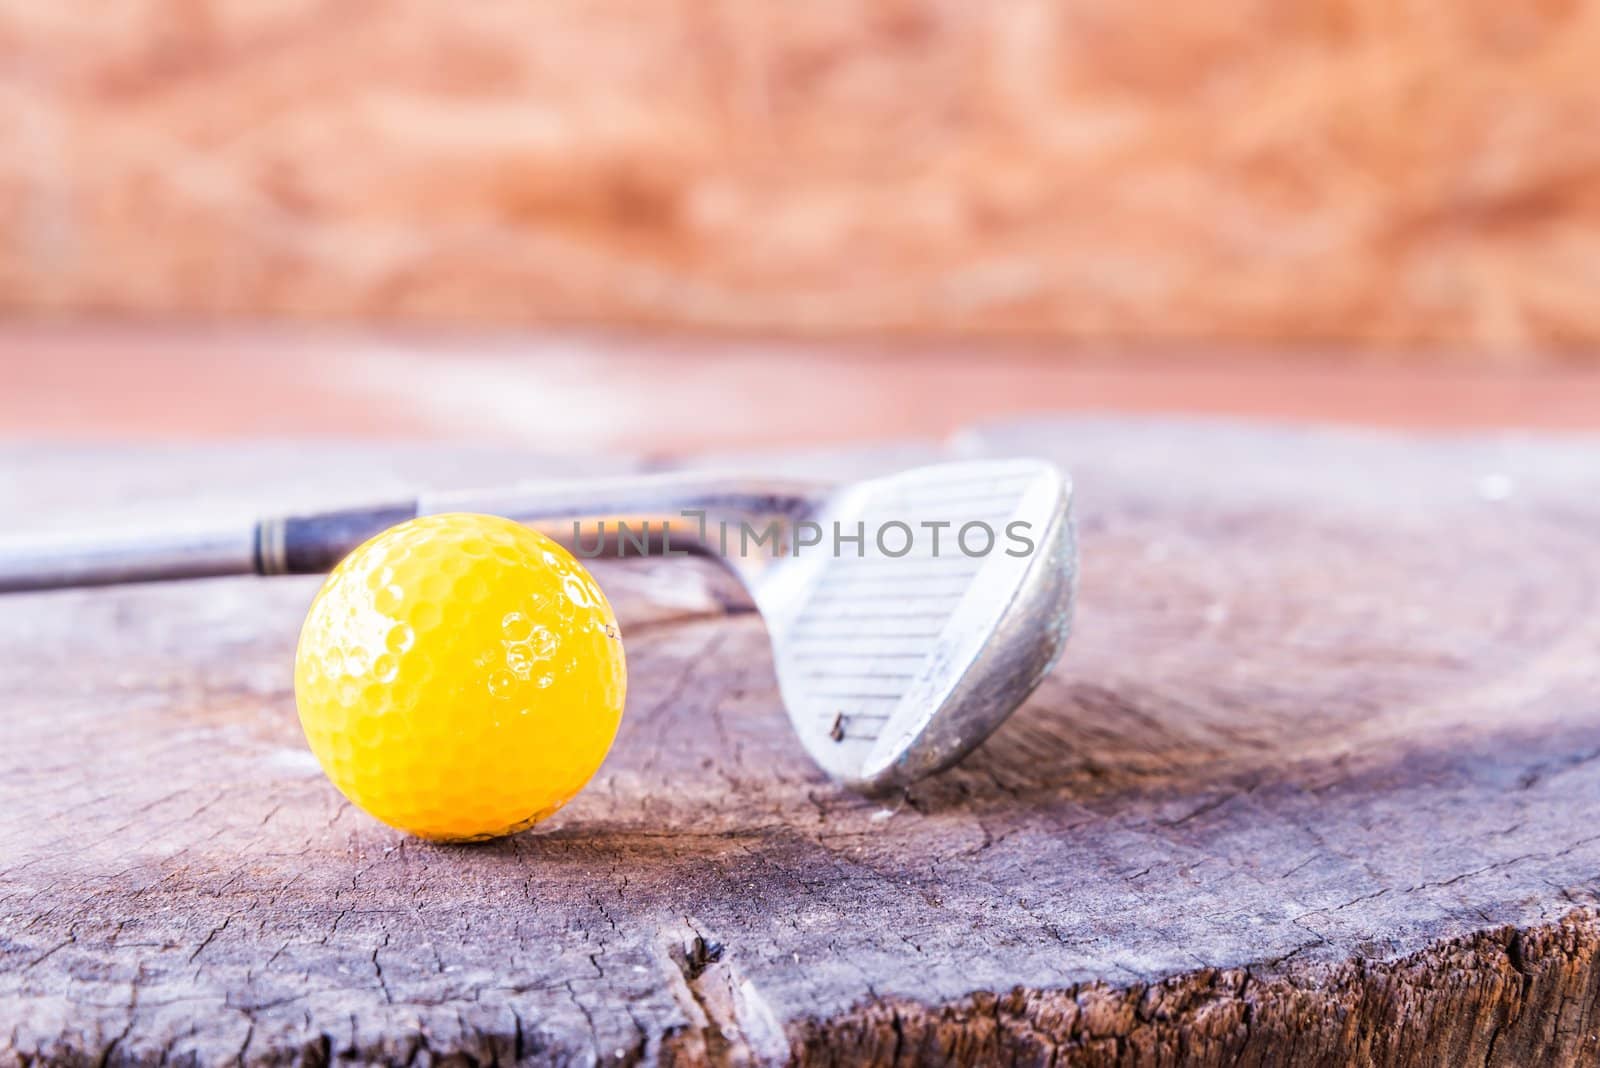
[(658, 508)]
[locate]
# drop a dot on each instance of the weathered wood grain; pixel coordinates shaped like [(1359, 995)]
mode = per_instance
[(1317, 782)]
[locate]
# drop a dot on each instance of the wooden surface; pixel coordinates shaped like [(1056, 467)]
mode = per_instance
[(1316, 782), (611, 392)]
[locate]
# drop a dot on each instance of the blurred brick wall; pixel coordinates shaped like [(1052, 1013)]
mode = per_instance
[(1367, 171)]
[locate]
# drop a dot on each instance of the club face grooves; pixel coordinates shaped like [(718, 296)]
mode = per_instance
[(894, 666)]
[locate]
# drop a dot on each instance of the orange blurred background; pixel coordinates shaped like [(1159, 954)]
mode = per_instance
[(1060, 191)]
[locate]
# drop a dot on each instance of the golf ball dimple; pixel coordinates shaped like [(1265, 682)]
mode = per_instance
[(460, 677)]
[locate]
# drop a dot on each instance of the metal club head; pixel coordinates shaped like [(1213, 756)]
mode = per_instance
[(896, 664)]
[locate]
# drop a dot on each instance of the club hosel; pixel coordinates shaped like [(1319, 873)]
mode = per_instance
[(314, 544)]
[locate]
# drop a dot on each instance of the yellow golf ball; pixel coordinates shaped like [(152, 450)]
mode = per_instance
[(460, 677)]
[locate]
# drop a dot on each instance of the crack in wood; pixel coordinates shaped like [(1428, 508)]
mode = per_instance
[(1402, 683)]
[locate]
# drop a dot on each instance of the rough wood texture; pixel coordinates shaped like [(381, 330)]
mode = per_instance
[(1316, 783), (1357, 170)]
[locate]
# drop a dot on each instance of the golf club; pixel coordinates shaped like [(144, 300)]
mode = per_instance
[(899, 644)]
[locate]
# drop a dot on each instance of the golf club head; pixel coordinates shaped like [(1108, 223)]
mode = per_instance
[(895, 665)]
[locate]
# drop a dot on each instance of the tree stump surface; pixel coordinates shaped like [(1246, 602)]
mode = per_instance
[(1317, 782)]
